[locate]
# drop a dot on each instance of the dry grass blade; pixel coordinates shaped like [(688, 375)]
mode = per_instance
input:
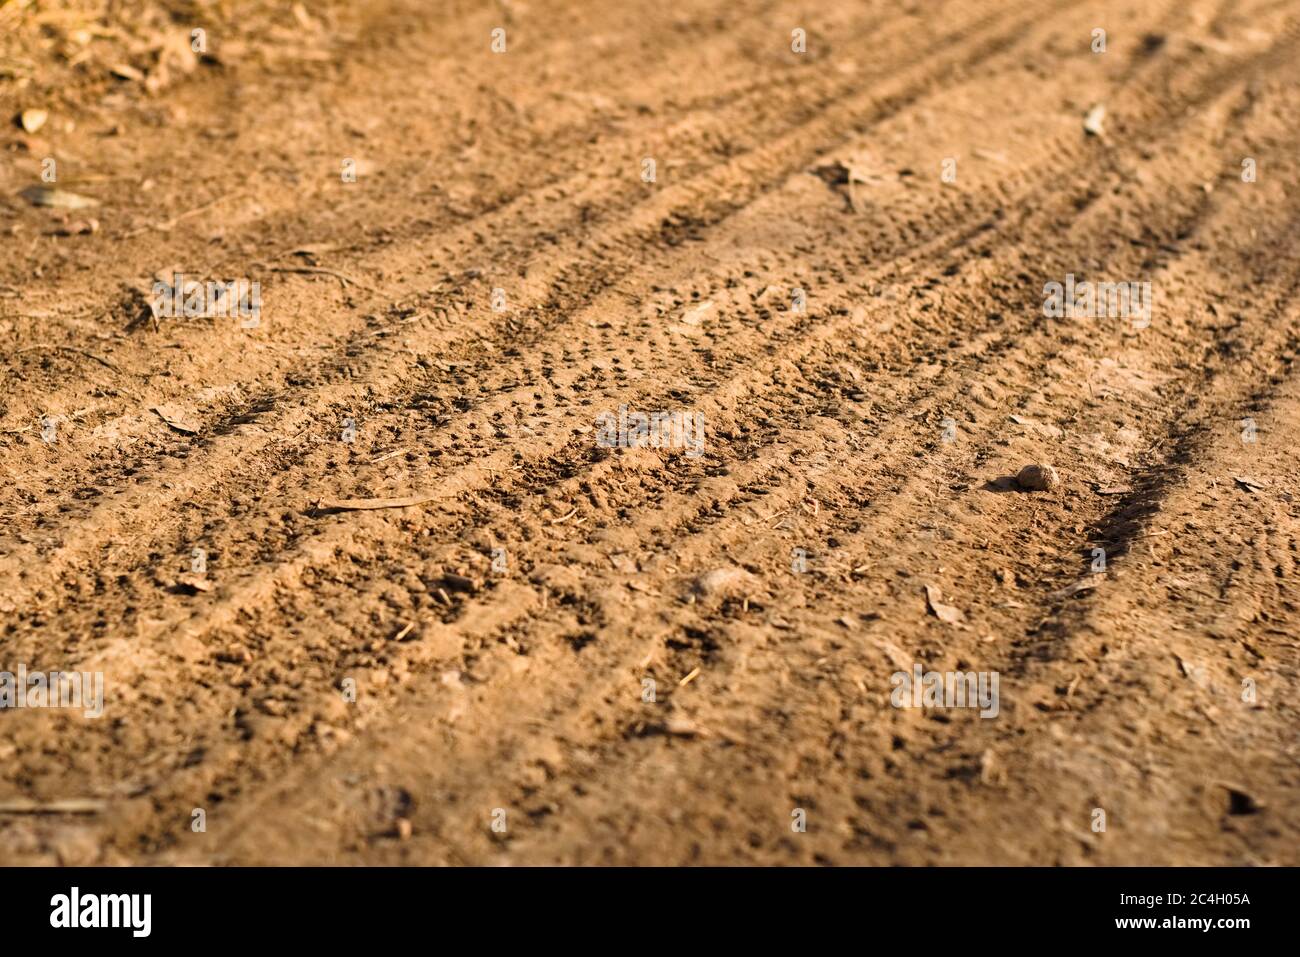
[(366, 504), (343, 278), (81, 352), (64, 806)]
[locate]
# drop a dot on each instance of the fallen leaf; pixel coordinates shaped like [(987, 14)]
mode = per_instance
[(56, 198), (126, 72), (176, 418), (194, 582), (901, 660), (693, 317), (680, 726), (1082, 585), (1049, 431), (857, 169), (948, 613)]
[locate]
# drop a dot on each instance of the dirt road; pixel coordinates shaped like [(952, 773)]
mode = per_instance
[(834, 264)]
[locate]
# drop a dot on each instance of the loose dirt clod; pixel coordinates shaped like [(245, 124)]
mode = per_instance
[(1038, 478), (460, 583), (721, 581)]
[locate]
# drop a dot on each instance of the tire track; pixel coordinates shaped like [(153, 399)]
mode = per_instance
[(713, 549)]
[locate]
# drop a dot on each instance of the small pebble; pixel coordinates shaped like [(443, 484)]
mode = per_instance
[(32, 120)]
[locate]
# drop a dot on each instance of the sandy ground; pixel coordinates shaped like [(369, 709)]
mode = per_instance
[(569, 653)]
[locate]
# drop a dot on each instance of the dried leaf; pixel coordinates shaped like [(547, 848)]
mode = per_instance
[(56, 198), (1082, 585), (934, 598), (194, 582), (695, 316), (176, 418), (1050, 431), (126, 72)]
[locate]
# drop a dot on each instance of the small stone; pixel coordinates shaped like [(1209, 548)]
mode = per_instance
[(1092, 123), (403, 828), (32, 120), (1038, 478)]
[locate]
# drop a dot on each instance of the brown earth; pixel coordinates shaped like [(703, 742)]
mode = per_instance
[(876, 429)]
